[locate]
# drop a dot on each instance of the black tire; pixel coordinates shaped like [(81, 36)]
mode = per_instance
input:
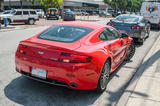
[(104, 77), (148, 32), (141, 41), (57, 18), (131, 51), (8, 21), (31, 21)]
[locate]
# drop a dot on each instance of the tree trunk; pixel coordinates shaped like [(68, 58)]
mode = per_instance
[(1, 5)]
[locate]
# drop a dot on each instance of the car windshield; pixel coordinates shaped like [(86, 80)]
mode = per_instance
[(13, 12), (67, 10), (65, 33), (127, 18), (38, 10), (6, 12)]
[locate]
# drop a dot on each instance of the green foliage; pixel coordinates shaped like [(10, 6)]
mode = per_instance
[(51, 3), (48, 3), (131, 5)]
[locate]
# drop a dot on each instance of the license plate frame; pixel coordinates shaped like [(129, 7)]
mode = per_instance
[(40, 73)]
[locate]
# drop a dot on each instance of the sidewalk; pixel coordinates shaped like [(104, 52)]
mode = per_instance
[(144, 88)]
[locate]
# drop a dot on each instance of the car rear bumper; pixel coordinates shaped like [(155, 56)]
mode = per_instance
[(75, 76), (137, 35)]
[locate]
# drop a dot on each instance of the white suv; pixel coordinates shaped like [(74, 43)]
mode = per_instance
[(28, 16)]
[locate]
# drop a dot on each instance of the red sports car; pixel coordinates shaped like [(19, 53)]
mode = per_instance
[(79, 55)]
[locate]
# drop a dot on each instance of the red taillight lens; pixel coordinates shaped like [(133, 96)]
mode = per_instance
[(21, 49), (65, 15), (132, 27), (74, 14), (109, 23), (73, 58), (138, 27)]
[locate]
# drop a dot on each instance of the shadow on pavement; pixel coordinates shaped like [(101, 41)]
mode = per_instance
[(28, 92)]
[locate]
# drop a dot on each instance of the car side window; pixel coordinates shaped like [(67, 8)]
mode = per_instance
[(102, 36), (25, 13), (18, 13), (116, 34), (32, 12)]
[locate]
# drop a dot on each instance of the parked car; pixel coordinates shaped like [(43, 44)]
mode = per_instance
[(28, 16), (69, 16), (151, 12), (40, 13), (104, 14), (135, 26), (6, 12), (79, 55), (52, 13)]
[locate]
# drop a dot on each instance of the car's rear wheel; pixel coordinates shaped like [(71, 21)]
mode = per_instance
[(57, 18), (104, 77), (31, 21), (148, 31), (131, 51)]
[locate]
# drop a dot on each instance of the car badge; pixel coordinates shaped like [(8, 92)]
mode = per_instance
[(41, 52), (55, 59)]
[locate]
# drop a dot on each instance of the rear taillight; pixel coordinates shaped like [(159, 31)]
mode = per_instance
[(21, 49), (74, 14), (138, 27), (132, 27), (109, 23), (73, 58), (65, 15)]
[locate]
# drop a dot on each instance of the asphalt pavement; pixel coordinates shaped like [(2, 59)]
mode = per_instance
[(18, 90)]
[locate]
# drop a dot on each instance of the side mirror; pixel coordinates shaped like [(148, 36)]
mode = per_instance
[(124, 35)]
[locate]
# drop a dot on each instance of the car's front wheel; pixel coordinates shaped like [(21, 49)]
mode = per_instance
[(104, 77), (131, 51)]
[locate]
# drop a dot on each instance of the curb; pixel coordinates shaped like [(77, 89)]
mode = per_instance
[(7, 30), (136, 76)]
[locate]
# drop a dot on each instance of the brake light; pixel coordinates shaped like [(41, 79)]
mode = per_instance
[(21, 49), (109, 23), (138, 27), (73, 58), (132, 27), (49, 11), (74, 14), (65, 15)]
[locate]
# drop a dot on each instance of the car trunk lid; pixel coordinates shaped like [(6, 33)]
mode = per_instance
[(47, 49)]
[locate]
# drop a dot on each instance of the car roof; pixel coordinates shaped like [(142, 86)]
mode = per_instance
[(132, 15), (25, 9), (91, 25)]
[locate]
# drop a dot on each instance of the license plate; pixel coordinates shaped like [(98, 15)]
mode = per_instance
[(39, 73), (122, 31)]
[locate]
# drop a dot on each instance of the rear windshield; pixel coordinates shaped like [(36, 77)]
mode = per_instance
[(127, 18), (64, 33)]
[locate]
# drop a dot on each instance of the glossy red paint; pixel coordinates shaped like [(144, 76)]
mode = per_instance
[(84, 74)]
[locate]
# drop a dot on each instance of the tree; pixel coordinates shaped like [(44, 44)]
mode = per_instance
[(51, 3), (1, 4), (130, 5), (48, 3)]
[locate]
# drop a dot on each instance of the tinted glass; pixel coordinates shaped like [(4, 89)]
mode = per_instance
[(32, 12), (110, 34), (64, 33), (102, 36), (18, 13), (25, 13), (6, 12), (127, 18)]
